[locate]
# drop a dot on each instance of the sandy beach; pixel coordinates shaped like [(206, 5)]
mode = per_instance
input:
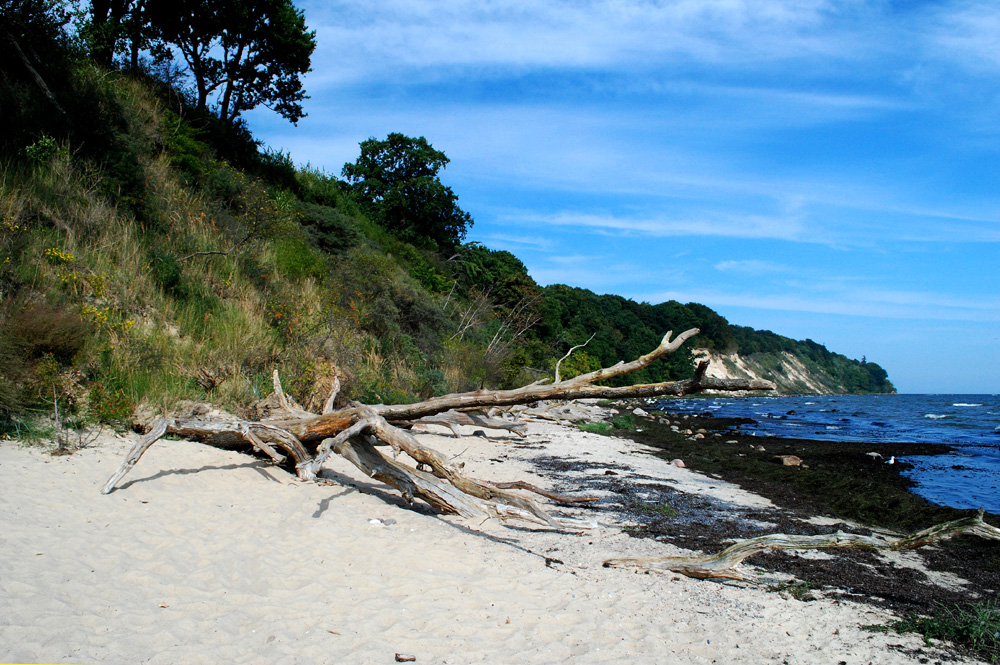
[(208, 556)]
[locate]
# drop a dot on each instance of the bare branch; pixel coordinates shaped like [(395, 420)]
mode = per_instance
[(569, 353), (216, 251), (334, 389)]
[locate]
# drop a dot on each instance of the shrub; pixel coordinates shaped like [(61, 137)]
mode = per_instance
[(110, 406), (332, 230), (297, 260), (165, 270), (42, 150)]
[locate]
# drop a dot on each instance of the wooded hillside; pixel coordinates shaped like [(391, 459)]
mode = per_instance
[(151, 250)]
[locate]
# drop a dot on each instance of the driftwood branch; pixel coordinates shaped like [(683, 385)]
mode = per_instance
[(452, 419), (352, 432), (579, 387), (725, 564), (569, 353), (334, 389)]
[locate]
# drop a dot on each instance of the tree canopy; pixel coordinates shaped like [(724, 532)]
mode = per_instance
[(240, 55), (396, 180)]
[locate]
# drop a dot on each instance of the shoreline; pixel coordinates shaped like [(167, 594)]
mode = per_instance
[(838, 486), (205, 555)]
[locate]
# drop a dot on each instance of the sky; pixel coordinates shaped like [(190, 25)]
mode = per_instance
[(824, 170)]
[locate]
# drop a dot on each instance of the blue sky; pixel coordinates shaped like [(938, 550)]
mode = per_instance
[(820, 169)]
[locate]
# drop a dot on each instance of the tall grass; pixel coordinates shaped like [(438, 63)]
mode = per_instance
[(974, 627), (194, 280)]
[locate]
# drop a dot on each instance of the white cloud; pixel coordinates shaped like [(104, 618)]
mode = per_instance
[(566, 33), (751, 267), (730, 226), (874, 304), (513, 242), (968, 33)]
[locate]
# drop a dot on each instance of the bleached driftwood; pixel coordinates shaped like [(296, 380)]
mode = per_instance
[(569, 353), (309, 439), (725, 564), (452, 419)]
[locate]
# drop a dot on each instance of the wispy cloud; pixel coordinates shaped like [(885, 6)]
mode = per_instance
[(735, 226), (751, 267), (563, 33), (504, 241), (873, 304), (599, 275), (968, 33)]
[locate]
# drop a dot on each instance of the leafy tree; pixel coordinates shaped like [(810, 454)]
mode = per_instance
[(241, 54), (396, 180), (495, 271), (107, 25)]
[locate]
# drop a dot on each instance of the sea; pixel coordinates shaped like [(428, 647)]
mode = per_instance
[(967, 477)]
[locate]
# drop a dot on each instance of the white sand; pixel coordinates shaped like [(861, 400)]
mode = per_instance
[(207, 556)]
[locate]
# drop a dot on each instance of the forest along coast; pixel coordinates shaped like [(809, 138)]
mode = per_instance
[(843, 483)]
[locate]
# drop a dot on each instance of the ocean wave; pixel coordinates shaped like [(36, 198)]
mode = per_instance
[(936, 416), (965, 404)]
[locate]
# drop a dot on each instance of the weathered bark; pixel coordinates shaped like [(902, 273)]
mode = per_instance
[(725, 564), (350, 433), (221, 434), (452, 419)]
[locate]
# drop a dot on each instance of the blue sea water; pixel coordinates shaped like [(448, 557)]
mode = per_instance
[(968, 477)]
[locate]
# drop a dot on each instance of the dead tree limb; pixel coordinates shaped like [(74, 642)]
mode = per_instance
[(579, 387), (725, 564), (569, 353), (309, 439), (334, 389), (452, 419)]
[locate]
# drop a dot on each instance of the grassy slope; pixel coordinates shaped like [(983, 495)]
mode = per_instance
[(140, 264)]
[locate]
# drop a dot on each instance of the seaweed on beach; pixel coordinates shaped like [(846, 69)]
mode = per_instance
[(836, 480)]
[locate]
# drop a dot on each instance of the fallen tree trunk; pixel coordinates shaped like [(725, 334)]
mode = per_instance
[(309, 439), (725, 564)]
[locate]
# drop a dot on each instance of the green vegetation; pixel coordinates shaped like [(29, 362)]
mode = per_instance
[(396, 180), (249, 53), (151, 251), (660, 509), (974, 627), (596, 428), (625, 421), (800, 590), (623, 328)]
